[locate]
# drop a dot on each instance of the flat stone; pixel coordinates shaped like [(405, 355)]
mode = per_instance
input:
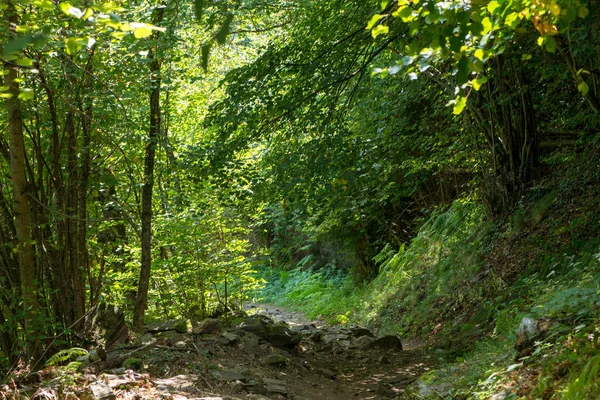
[(274, 360), (404, 379), (101, 391), (276, 386), (179, 325), (228, 376), (327, 373)]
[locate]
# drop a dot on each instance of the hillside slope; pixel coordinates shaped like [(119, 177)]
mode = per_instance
[(464, 284)]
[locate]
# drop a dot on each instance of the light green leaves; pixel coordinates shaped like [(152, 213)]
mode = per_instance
[(45, 4), (584, 88), (141, 30), (480, 81), (374, 20), (583, 12), (493, 6), (68, 9), (459, 105), (379, 30), (26, 94)]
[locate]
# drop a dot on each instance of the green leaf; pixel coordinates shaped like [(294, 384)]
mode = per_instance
[(526, 57), (225, 28), (374, 20), (459, 105), (199, 8), (477, 83), (550, 44), (464, 69), (68, 9), (24, 62), (45, 4), (26, 94), (583, 12), (17, 45), (479, 54), (405, 13), (73, 44), (512, 20), (584, 88), (555, 9), (379, 30), (487, 26), (493, 6), (142, 32)]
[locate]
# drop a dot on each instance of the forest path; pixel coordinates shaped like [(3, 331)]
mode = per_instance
[(349, 372), (268, 353)]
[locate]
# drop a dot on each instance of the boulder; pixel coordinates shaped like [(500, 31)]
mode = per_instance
[(250, 343), (207, 326), (530, 331), (278, 335)]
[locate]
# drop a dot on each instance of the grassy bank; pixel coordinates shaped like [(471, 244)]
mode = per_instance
[(463, 284)]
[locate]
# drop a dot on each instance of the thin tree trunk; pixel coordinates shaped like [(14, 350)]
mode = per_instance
[(21, 202), (153, 135)]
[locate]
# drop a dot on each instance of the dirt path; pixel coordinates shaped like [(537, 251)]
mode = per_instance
[(269, 353), (348, 373)]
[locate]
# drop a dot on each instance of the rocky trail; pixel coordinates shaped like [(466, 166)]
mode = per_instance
[(263, 353)]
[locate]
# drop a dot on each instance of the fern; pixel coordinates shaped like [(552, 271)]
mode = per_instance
[(63, 356)]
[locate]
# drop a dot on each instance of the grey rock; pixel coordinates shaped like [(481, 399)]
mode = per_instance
[(388, 342), (279, 335), (361, 342), (229, 337), (530, 331), (274, 360), (327, 373), (97, 354), (179, 325), (359, 331), (229, 376), (276, 386), (250, 343), (207, 326), (400, 379), (101, 391)]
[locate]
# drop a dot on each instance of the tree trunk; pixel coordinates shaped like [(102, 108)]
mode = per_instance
[(153, 135), (21, 203)]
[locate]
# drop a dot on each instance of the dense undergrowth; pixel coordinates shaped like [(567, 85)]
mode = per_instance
[(463, 284)]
